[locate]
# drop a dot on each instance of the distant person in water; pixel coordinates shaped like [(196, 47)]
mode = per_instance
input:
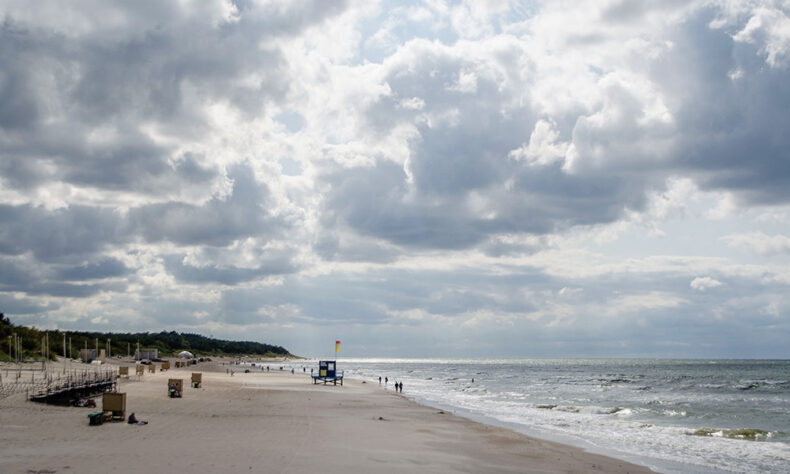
[(379, 380), (386, 380)]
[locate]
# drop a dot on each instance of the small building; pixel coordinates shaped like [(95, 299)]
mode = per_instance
[(87, 355), (150, 354)]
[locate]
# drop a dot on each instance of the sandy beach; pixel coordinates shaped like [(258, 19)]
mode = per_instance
[(271, 422)]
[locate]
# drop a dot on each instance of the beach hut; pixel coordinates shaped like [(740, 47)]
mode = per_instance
[(140, 370), (165, 366), (175, 388), (114, 405), (123, 371), (197, 379)]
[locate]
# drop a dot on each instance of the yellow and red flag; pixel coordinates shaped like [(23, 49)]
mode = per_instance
[(337, 346)]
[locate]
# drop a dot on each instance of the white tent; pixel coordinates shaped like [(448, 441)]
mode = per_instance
[(185, 355)]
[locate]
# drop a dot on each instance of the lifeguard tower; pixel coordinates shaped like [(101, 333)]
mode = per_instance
[(327, 372)]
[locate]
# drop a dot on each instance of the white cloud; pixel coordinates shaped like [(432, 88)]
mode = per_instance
[(725, 207), (760, 243), (769, 29), (704, 283), (543, 147), (636, 303)]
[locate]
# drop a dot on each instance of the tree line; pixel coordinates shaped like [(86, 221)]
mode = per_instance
[(30, 343)]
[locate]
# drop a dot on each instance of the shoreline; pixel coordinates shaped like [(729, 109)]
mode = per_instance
[(274, 422)]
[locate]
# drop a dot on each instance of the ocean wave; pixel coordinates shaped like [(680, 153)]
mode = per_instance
[(766, 384), (747, 434)]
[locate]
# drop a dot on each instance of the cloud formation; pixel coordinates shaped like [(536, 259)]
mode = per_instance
[(509, 178)]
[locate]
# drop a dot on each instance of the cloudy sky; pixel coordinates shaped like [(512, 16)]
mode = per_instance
[(415, 178)]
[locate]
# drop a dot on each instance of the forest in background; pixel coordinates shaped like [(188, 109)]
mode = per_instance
[(31, 341)]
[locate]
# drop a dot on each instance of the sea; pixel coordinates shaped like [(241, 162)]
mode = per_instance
[(674, 416)]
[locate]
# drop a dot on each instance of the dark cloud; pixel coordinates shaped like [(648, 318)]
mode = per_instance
[(734, 132), (246, 212), (23, 275), (14, 306), (230, 275), (84, 99), (57, 235), (104, 268), (373, 201), (350, 247)]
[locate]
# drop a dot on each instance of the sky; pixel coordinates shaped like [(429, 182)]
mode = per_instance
[(488, 178)]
